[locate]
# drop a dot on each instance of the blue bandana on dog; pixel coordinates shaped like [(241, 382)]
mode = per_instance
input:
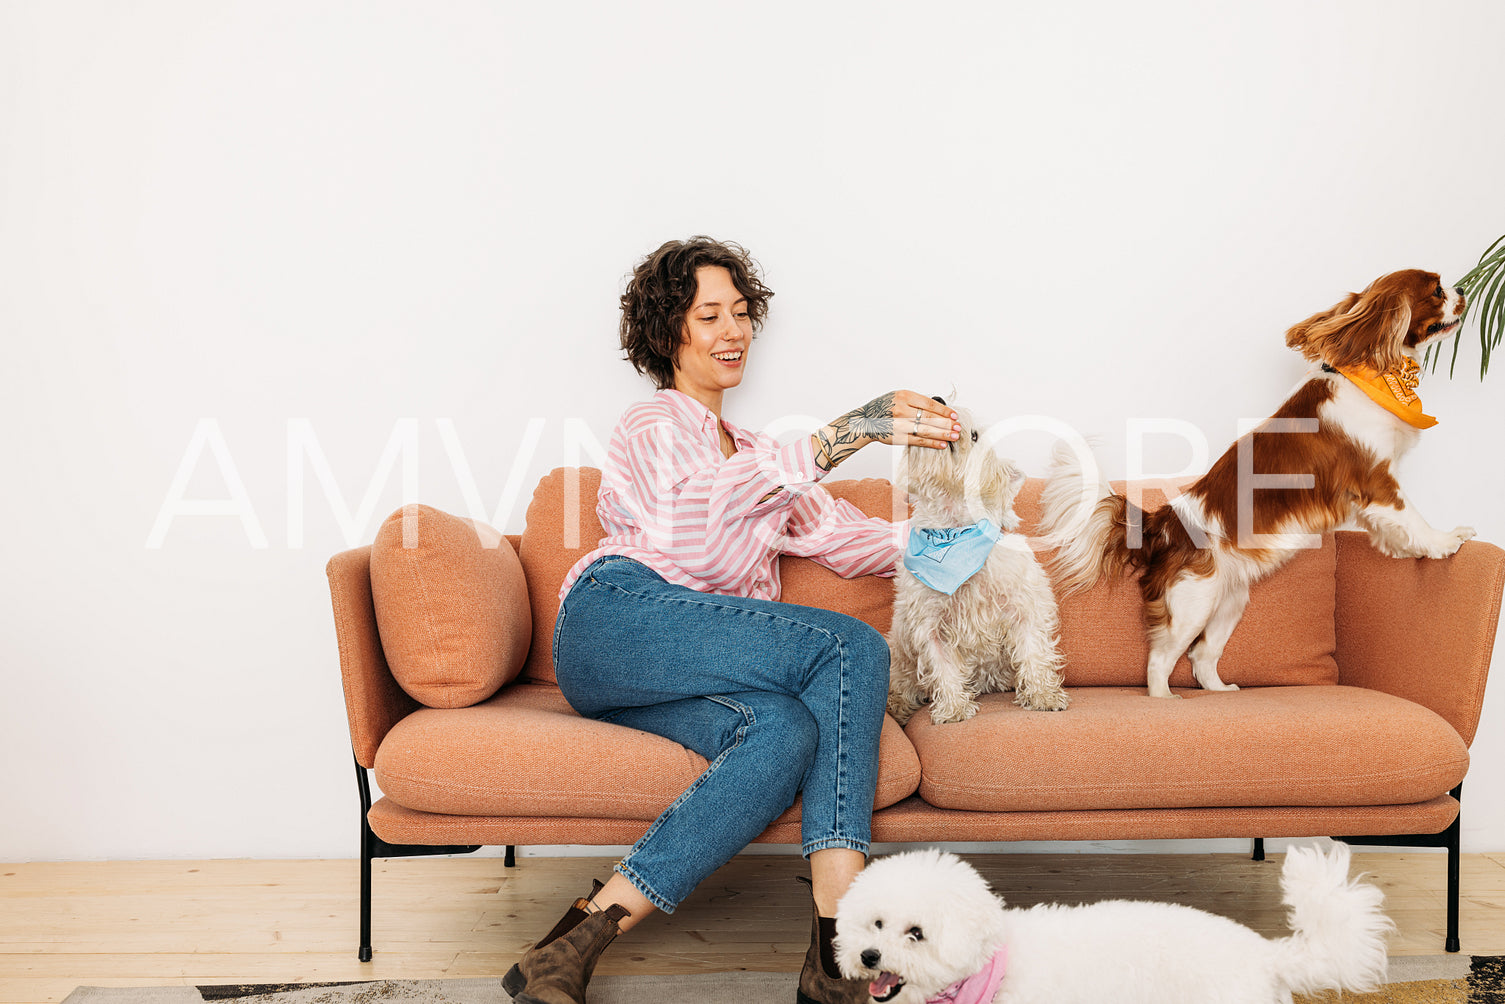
[(947, 556)]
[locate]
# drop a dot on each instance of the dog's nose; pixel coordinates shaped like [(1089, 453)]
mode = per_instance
[(870, 958), (938, 399)]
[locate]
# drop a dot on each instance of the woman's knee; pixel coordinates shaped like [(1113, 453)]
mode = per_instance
[(785, 727), (775, 750), (866, 651)]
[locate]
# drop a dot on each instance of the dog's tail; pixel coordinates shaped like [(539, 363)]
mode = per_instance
[(1084, 521), (1339, 939)]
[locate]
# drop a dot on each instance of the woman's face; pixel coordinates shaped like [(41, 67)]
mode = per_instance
[(717, 333)]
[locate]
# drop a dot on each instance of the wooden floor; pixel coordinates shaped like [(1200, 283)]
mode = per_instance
[(172, 922)]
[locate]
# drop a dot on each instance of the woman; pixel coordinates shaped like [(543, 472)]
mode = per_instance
[(673, 624)]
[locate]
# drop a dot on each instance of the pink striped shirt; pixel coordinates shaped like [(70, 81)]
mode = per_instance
[(672, 501)]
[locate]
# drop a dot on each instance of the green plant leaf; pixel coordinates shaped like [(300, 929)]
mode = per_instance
[(1484, 286), (1492, 319)]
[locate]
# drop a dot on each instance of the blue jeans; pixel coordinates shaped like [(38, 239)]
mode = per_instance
[(779, 698)]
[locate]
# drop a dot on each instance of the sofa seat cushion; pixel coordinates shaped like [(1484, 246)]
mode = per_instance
[(526, 752), (1117, 748)]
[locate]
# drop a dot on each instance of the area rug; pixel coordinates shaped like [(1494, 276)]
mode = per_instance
[(708, 988), (1414, 979)]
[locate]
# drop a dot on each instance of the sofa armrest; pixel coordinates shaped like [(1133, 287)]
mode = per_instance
[(373, 700), (1419, 628)]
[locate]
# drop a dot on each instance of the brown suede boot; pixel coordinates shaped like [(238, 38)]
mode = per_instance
[(815, 986), (557, 969)]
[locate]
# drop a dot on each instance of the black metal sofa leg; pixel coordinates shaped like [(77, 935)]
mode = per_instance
[(373, 846), (1455, 867), (1450, 838), (368, 840)]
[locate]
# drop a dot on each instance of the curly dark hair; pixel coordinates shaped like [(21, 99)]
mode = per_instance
[(662, 290)]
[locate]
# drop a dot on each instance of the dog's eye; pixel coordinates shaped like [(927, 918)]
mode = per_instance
[(1438, 294), (916, 934), (974, 435), (878, 924)]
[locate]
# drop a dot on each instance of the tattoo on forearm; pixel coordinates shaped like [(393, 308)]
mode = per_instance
[(849, 433)]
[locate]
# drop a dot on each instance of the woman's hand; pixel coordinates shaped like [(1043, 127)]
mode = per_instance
[(899, 418)]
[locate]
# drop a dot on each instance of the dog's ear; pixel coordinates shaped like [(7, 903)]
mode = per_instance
[(1015, 476), (1015, 481), (992, 482), (1363, 329), (1300, 336)]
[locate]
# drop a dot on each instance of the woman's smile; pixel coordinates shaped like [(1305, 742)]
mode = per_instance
[(717, 332)]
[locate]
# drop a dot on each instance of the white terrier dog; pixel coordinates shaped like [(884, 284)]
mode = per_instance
[(923, 925), (974, 612)]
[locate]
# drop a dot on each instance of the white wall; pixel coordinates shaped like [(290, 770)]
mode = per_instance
[(351, 220)]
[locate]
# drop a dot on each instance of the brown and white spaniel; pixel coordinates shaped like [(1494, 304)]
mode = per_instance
[(1326, 456)]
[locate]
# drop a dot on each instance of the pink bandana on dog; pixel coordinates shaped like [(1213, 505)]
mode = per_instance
[(980, 987)]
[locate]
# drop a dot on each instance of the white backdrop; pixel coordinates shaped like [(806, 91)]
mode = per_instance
[(280, 250)]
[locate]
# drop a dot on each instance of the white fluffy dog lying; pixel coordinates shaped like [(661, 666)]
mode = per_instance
[(994, 630), (924, 926)]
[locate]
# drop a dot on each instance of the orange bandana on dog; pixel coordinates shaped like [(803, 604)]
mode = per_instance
[(1394, 390)]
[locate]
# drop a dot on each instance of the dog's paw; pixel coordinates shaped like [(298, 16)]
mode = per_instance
[(1049, 700), (1459, 536), (1442, 545), (901, 708), (952, 711)]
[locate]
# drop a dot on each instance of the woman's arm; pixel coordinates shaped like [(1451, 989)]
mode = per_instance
[(835, 533), (899, 418)]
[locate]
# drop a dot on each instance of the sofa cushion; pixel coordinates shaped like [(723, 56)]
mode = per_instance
[(447, 593), (1117, 748), (551, 545), (869, 598), (1286, 637), (526, 752)]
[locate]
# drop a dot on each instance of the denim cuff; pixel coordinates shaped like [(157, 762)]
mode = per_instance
[(659, 903), (827, 843)]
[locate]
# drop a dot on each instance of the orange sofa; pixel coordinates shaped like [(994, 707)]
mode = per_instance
[(1362, 679)]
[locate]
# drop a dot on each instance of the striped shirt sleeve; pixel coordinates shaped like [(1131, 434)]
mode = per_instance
[(671, 499), (714, 517), (834, 533)]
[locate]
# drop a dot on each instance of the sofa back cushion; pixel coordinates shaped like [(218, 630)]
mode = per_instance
[(444, 589), (562, 528), (1286, 637), (869, 598)]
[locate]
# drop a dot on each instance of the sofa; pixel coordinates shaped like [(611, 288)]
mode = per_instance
[(1361, 676)]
